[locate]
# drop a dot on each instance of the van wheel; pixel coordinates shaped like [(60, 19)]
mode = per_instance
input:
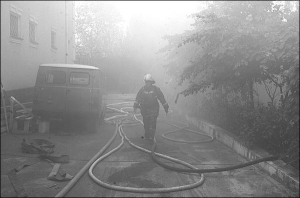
[(101, 119), (92, 124)]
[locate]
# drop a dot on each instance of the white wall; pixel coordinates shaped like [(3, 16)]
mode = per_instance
[(19, 58)]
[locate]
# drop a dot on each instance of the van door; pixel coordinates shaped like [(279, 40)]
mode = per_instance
[(96, 93), (78, 91), (51, 89), (103, 92)]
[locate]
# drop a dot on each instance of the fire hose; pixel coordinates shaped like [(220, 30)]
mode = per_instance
[(142, 190), (269, 158), (192, 169)]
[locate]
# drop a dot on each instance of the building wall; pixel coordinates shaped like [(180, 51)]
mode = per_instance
[(19, 57)]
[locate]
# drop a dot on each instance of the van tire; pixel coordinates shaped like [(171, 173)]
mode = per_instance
[(101, 119), (92, 124)]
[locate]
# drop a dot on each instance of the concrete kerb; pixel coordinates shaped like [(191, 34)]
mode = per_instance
[(280, 171)]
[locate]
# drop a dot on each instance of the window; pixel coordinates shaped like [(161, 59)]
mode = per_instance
[(14, 26), (79, 78), (55, 77), (53, 38), (33, 30), (15, 22)]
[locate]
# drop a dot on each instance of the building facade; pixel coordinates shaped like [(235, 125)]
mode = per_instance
[(32, 33)]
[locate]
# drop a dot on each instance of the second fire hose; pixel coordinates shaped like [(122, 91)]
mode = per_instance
[(118, 120), (191, 169)]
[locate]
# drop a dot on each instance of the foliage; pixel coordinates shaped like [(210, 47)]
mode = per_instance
[(240, 43), (101, 40), (98, 33), (266, 127)]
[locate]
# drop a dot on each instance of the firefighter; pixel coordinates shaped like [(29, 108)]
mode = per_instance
[(147, 101)]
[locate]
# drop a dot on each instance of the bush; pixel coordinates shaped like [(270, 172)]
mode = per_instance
[(266, 126)]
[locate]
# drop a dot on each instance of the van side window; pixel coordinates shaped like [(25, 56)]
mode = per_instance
[(79, 78), (55, 77)]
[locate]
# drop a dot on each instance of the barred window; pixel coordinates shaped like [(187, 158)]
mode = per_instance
[(15, 22), (33, 22), (53, 39), (14, 25), (32, 32)]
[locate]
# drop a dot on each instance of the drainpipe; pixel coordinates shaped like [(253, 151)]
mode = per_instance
[(66, 31)]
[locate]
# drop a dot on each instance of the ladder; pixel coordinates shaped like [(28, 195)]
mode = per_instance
[(4, 122)]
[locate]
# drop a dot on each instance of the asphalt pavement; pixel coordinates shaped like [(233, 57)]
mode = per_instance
[(130, 167)]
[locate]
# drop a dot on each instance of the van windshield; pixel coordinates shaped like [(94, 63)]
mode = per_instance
[(55, 77)]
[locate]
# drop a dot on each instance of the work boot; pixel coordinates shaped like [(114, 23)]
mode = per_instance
[(146, 135), (151, 134)]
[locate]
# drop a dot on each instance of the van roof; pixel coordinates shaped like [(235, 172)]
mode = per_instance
[(68, 66)]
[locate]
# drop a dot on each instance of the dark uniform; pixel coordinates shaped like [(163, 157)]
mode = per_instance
[(147, 100)]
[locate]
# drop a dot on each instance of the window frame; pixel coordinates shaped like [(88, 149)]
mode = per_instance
[(54, 41), (49, 72), (84, 85), (33, 21), (18, 14)]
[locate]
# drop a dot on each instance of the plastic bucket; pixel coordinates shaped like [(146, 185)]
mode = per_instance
[(44, 126)]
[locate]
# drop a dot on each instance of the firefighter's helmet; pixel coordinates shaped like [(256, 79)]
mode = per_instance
[(148, 77)]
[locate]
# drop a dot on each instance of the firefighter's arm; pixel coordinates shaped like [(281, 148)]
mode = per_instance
[(162, 100), (137, 101), (166, 107)]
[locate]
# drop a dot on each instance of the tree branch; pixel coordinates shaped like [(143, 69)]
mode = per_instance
[(270, 77)]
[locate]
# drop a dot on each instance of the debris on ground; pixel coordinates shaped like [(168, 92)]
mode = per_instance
[(56, 174), (37, 146), (61, 176), (17, 185), (56, 159)]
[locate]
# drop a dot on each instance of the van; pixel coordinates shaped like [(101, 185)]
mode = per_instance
[(64, 91)]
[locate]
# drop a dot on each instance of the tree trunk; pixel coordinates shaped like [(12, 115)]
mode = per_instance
[(281, 96), (251, 97)]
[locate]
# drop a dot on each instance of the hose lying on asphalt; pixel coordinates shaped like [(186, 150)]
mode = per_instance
[(69, 186), (92, 163), (269, 158), (191, 170), (185, 128), (142, 190)]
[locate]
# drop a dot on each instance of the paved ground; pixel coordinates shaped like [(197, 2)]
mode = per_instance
[(133, 168)]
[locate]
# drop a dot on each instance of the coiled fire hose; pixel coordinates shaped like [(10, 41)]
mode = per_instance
[(142, 190), (153, 155), (269, 158)]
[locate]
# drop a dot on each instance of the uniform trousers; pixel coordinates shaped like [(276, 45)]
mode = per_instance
[(149, 120)]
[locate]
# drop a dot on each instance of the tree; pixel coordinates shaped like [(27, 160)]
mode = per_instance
[(97, 29), (240, 43)]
